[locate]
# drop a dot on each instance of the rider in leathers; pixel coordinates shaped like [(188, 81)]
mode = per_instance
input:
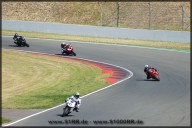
[(77, 99), (16, 38), (146, 70), (64, 46)]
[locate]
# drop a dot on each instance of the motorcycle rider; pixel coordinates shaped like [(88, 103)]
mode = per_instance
[(77, 99), (146, 70), (64, 46), (16, 38)]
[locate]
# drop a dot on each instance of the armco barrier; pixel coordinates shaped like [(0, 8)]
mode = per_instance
[(97, 31)]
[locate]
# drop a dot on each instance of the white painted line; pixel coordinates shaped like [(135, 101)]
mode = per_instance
[(124, 45), (131, 74)]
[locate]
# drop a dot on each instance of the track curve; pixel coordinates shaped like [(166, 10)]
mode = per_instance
[(164, 103)]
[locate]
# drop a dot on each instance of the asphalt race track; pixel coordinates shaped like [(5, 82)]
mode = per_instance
[(164, 103)]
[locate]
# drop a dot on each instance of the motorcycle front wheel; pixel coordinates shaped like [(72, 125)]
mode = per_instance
[(27, 44), (157, 78), (74, 54), (66, 111)]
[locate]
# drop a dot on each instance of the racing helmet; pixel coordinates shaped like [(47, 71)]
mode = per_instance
[(146, 66), (63, 44), (77, 95)]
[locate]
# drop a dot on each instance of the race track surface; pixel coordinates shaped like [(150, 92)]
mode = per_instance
[(164, 103)]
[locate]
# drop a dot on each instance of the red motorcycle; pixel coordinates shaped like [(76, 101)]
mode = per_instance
[(154, 74), (68, 51)]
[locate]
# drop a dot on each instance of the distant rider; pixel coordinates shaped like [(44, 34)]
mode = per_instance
[(64, 46), (77, 99), (146, 70), (16, 38)]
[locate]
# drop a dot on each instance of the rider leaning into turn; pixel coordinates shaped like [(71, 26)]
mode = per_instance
[(64, 46), (16, 37), (146, 70), (77, 99)]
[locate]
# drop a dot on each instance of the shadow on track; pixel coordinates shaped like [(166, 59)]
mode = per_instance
[(61, 115), (62, 55), (59, 54), (13, 45), (145, 80)]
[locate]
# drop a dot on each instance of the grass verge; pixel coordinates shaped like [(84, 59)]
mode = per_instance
[(36, 81), (155, 44), (5, 120)]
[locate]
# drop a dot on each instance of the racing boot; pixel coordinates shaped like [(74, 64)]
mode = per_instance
[(76, 109), (15, 42)]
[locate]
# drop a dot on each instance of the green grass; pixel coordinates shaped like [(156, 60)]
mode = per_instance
[(33, 81), (155, 44), (5, 120)]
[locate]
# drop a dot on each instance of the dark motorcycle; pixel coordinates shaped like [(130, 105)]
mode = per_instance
[(20, 41)]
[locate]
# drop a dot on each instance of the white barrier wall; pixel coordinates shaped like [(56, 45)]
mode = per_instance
[(98, 31)]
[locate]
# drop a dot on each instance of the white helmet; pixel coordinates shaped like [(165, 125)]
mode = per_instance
[(146, 66), (77, 95)]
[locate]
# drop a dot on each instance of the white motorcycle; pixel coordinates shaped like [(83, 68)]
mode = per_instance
[(70, 105)]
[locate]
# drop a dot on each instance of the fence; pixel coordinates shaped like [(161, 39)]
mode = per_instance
[(147, 15), (140, 15)]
